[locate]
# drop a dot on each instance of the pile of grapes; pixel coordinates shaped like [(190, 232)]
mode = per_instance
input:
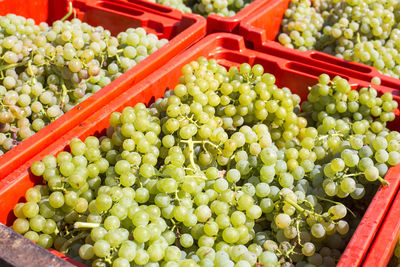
[(45, 71), (222, 171), (354, 30), (224, 8)]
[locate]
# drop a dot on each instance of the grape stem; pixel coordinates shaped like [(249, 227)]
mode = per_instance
[(326, 136), (64, 95), (110, 256), (298, 232), (206, 142), (286, 252), (191, 153), (70, 10), (70, 241), (190, 119), (174, 224), (102, 60), (337, 203), (15, 65), (352, 174), (117, 57), (358, 38), (302, 210), (177, 198), (60, 188), (86, 225), (309, 203), (30, 71), (191, 143), (383, 181), (178, 233)]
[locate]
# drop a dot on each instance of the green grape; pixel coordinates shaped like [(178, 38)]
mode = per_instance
[(308, 249), (371, 173), (186, 240), (45, 241), (86, 252), (268, 258), (30, 209), (282, 220), (101, 248), (21, 226), (141, 234), (233, 176), (318, 231)]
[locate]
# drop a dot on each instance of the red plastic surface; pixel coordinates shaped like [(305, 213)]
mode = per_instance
[(368, 228), (216, 23), (264, 24), (181, 29), (228, 50), (39, 10), (381, 250), (62, 256)]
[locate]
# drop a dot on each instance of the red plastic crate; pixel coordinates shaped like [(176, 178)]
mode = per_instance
[(325, 61), (381, 250), (64, 257), (262, 27), (264, 24), (181, 29), (228, 50), (217, 23)]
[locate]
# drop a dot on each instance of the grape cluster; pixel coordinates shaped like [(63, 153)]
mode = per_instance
[(354, 30), (351, 136), (225, 8), (45, 71), (222, 171)]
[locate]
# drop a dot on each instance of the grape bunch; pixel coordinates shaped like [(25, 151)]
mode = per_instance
[(359, 31), (224, 8), (222, 171), (351, 136), (45, 71)]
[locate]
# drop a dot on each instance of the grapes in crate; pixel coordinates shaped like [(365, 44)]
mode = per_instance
[(227, 169), (46, 70), (360, 31), (224, 8)]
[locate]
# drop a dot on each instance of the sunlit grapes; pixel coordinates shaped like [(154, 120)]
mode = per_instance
[(47, 70), (360, 31), (226, 169)]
